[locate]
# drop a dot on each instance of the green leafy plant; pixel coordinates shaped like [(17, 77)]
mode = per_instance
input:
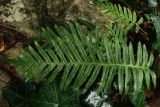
[(122, 16), (82, 58), (19, 94), (49, 95), (156, 21), (138, 98), (96, 59)]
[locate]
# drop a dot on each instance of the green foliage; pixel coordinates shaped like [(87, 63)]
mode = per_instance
[(19, 94), (122, 16), (156, 21), (101, 1), (116, 32), (86, 23), (138, 98), (152, 3), (49, 95), (82, 58), (52, 96)]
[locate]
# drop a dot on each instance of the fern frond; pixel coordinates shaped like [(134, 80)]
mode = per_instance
[(116, 32), (125, 18), (81, 59)]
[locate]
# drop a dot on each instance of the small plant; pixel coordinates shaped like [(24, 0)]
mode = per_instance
[(22, 94), (122, 16)]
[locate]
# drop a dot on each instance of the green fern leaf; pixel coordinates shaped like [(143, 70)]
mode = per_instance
[(81, 59), (124, 17)]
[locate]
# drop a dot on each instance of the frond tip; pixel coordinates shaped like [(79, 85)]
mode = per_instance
[(82, 61)]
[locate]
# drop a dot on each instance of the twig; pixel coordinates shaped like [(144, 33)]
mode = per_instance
[(8, 27)]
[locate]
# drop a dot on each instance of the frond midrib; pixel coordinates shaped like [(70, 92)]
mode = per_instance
[(96, 64)]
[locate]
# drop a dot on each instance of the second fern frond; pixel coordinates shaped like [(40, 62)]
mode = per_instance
[(122, 16)]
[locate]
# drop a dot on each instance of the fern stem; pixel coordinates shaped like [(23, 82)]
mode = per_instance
[(100, 64)]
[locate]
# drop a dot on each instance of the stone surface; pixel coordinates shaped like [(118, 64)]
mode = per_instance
[(65, 10), (15, 13), (30, 15)]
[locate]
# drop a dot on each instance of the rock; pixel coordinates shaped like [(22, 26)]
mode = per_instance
[(15, 1), (64, 10), (30, 15), (14, 13)]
